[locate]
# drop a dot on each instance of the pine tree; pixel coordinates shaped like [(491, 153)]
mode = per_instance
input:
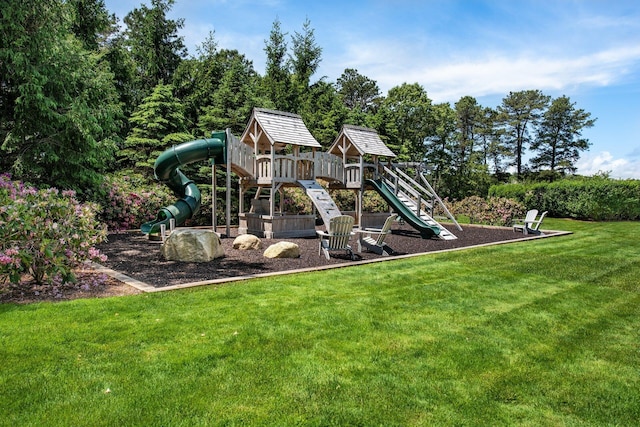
[(157, 124), (559, 141), (519, 115)]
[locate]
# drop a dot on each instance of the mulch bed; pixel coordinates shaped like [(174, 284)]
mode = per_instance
[(137, 257)]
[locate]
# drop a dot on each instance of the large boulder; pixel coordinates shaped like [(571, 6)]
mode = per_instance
[(192, 245), (282, 250), (246, 242)]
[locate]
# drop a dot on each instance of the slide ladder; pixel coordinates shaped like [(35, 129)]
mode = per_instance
[(418, 199), (321, 199)]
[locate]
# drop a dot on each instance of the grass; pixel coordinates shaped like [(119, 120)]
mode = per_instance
[(544, 332)]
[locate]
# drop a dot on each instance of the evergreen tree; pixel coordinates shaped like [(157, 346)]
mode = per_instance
[(559, 141), (197, 79), (306, 55), (468, 118), (125, 78), (58, 106), (358, 92), (157, 124), (440, 146), (91, 22), (276, 84), (519, 115), (234, 97), (323, 112), (154, 42)]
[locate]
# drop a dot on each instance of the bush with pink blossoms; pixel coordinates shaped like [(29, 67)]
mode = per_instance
[(128, 201), (46, 233), (491, 211)]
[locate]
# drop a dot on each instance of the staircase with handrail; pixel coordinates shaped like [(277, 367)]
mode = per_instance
[(419, 198)]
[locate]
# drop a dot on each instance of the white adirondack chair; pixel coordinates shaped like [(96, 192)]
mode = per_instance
[(534, 227), (372, 239), (530, 225), (339, 231)]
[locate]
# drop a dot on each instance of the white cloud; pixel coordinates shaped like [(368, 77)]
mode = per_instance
[(591, 164), (392, 64)]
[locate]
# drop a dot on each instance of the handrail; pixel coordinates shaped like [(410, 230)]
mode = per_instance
[(439, 200), (401, 182)]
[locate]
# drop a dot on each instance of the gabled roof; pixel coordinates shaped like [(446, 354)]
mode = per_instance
[(278, 128), (359, 141)]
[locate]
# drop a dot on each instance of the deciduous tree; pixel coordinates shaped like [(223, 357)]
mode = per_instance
[(409, 108)]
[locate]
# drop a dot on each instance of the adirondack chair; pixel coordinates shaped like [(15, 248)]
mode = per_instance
[(530, 225), (339, 231), (372, 239), (534, 227)]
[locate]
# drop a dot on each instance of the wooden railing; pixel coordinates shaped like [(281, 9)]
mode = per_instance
[(242, 157), (352, 176), (327, 166), (284, 169)]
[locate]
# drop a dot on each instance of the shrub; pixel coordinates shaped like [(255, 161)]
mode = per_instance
[(596, 198), (45, 234), (296, 202), (371, 201), (491, 211), (127, 201)]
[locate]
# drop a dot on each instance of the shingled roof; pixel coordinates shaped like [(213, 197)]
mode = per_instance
[(359, 141), (278, 128)]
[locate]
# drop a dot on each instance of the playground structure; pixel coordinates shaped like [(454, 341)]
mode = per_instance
[(276, 151)]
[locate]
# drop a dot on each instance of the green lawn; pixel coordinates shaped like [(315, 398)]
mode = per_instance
[(545, 332)]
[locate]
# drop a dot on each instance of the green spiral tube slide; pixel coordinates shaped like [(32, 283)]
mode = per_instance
[(166, 171)]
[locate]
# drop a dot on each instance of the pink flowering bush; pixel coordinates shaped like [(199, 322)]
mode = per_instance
[(491, 211), (126, 202), (45, 234)]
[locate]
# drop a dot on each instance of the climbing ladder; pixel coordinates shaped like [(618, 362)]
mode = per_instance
[(420, 199), (321, 199)]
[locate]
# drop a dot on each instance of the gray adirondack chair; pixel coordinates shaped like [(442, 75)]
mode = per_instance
[(336, 238), (372, 239)]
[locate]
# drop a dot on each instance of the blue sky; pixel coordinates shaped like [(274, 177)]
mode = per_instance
[(587, 50)]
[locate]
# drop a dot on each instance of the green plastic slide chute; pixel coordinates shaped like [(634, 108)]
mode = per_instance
[(166, 171), (426, 230)]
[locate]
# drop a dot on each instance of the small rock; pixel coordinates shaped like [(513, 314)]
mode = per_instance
[(246, 242), (282, 250)]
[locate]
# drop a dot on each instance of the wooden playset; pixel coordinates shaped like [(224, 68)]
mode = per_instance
[(276, 151)]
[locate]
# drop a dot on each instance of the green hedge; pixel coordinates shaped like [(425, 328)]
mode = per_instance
[(597, 198)]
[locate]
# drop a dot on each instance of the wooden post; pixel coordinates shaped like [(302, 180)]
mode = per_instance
[(272, 195), (213, 195), (228, 195)]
